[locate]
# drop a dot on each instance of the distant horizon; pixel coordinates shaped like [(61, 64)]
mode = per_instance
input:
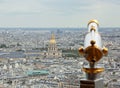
[(55, 27)]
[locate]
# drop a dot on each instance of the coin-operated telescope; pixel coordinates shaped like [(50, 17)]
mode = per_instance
[(93, 50)]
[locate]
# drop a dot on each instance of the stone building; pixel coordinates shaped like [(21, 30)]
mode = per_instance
[(52, 51)]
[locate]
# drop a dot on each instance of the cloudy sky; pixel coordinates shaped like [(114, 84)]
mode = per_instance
[(58, 13)]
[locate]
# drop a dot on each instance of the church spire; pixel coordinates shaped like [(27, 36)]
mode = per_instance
[(52, 40)]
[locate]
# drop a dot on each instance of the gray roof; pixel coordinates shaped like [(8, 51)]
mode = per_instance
[(13, 55), (32, 51)]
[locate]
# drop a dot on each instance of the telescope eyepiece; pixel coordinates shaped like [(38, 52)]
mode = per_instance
[(93, 25), (93, 21)]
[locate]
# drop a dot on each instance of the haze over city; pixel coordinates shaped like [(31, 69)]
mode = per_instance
[(58, 13)]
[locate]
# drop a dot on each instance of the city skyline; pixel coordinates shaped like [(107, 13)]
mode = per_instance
[(58, 13)]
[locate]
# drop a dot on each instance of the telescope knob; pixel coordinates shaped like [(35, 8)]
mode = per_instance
[(92, 42), (105, 51), (81, 50)]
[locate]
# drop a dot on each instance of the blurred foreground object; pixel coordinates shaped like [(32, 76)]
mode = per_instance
[(93, 51)]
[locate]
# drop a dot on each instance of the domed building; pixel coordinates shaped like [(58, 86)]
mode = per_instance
[(52, 51)]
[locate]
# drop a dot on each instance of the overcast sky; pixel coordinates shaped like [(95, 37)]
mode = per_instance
[(59, 13)]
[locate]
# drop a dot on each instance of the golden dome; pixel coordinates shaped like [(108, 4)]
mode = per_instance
[(93, 21), (52, 40)]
